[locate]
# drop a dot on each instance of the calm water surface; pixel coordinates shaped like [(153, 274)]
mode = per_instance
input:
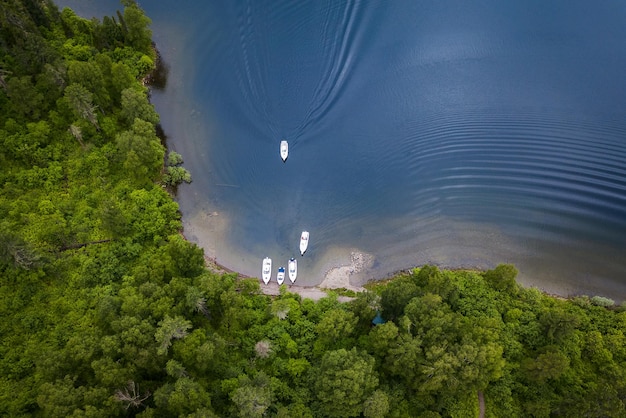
[(451, 132)]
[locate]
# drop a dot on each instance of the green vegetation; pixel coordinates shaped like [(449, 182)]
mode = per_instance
[(108, 312)]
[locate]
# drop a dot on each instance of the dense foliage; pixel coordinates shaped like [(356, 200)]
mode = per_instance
[(109, 312)]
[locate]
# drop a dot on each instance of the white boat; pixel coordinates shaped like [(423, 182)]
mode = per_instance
[(284, 150), (292, 269), (267, 269), (304, 242), (280, 277)]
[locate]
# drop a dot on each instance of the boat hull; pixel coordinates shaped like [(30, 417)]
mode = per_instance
[(284, 150), (304, 242), (266, 271), (280, 277), (293, 270)]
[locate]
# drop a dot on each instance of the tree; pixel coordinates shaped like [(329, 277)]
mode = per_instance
[(176, 175), (143, 142), (377, 405), (503, 278), (81, 101), (343, 381), (89, 75), (396, 295), (404, 357), (432, 280), (336, 325), (170, 329), (15, 251), (263, 349), (251, 401), (136, 25), (382, 337), (113, 220), (253, 396), (135, 105), (364, 307), (108, 34), (130, 396), (26, 101), (557, 323), (174, 159), (184, 397), (549, 365), (121, 79), (186, 258)]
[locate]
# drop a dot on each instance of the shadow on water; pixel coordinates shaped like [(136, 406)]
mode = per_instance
[(158, 77)]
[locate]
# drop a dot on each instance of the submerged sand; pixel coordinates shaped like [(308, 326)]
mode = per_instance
[(338, 267)]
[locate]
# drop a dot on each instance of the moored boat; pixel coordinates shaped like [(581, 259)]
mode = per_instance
[(304, 242), (267, 270), (280, 277), (284, 150), (293, 269)]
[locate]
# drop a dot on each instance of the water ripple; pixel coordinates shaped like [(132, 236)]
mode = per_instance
[(527, 169)]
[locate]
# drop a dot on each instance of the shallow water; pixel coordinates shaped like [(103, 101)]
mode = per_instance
[(420, 132)]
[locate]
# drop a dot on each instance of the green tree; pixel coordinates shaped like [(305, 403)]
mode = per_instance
[(251, 401), (396, 295), (549, 365), (377, 405), (135, 105), (252, 397), (170, 329), (336, 325), (26, 101), (176, 175), (137, 28), (121, 80), (81, 101), (142, 141), (174, 159), (432, 280), (557, 323), (89, 75), (365, 307), (382, 338), (343, 382), (184, 396), (503, 278)]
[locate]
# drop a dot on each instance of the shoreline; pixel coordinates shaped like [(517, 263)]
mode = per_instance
[(338, 267), (335, 278), (338, 277)]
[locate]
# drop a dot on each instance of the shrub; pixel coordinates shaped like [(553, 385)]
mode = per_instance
[(602, 301)]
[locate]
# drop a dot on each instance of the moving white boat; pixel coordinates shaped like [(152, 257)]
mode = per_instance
[(280, 277), (267, 269), (284, 150), (293, 269), (304, 242)]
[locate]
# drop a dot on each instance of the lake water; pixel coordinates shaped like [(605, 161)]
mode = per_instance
[(459, 133)]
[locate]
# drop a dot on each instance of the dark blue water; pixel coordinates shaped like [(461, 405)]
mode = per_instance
[(458, 133)]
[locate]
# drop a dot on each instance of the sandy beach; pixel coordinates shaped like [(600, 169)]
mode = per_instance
[(337, 277)]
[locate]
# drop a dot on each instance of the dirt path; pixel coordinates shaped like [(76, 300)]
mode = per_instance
[(481, 405), (307, 292)]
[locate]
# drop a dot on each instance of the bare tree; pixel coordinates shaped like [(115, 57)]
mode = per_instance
[(78, 134), (131, 395), (263, 349)]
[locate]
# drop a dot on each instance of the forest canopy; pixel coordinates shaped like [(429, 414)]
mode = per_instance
[(108, 311)]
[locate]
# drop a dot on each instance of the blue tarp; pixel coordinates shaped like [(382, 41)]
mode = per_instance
[(378, 319)]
